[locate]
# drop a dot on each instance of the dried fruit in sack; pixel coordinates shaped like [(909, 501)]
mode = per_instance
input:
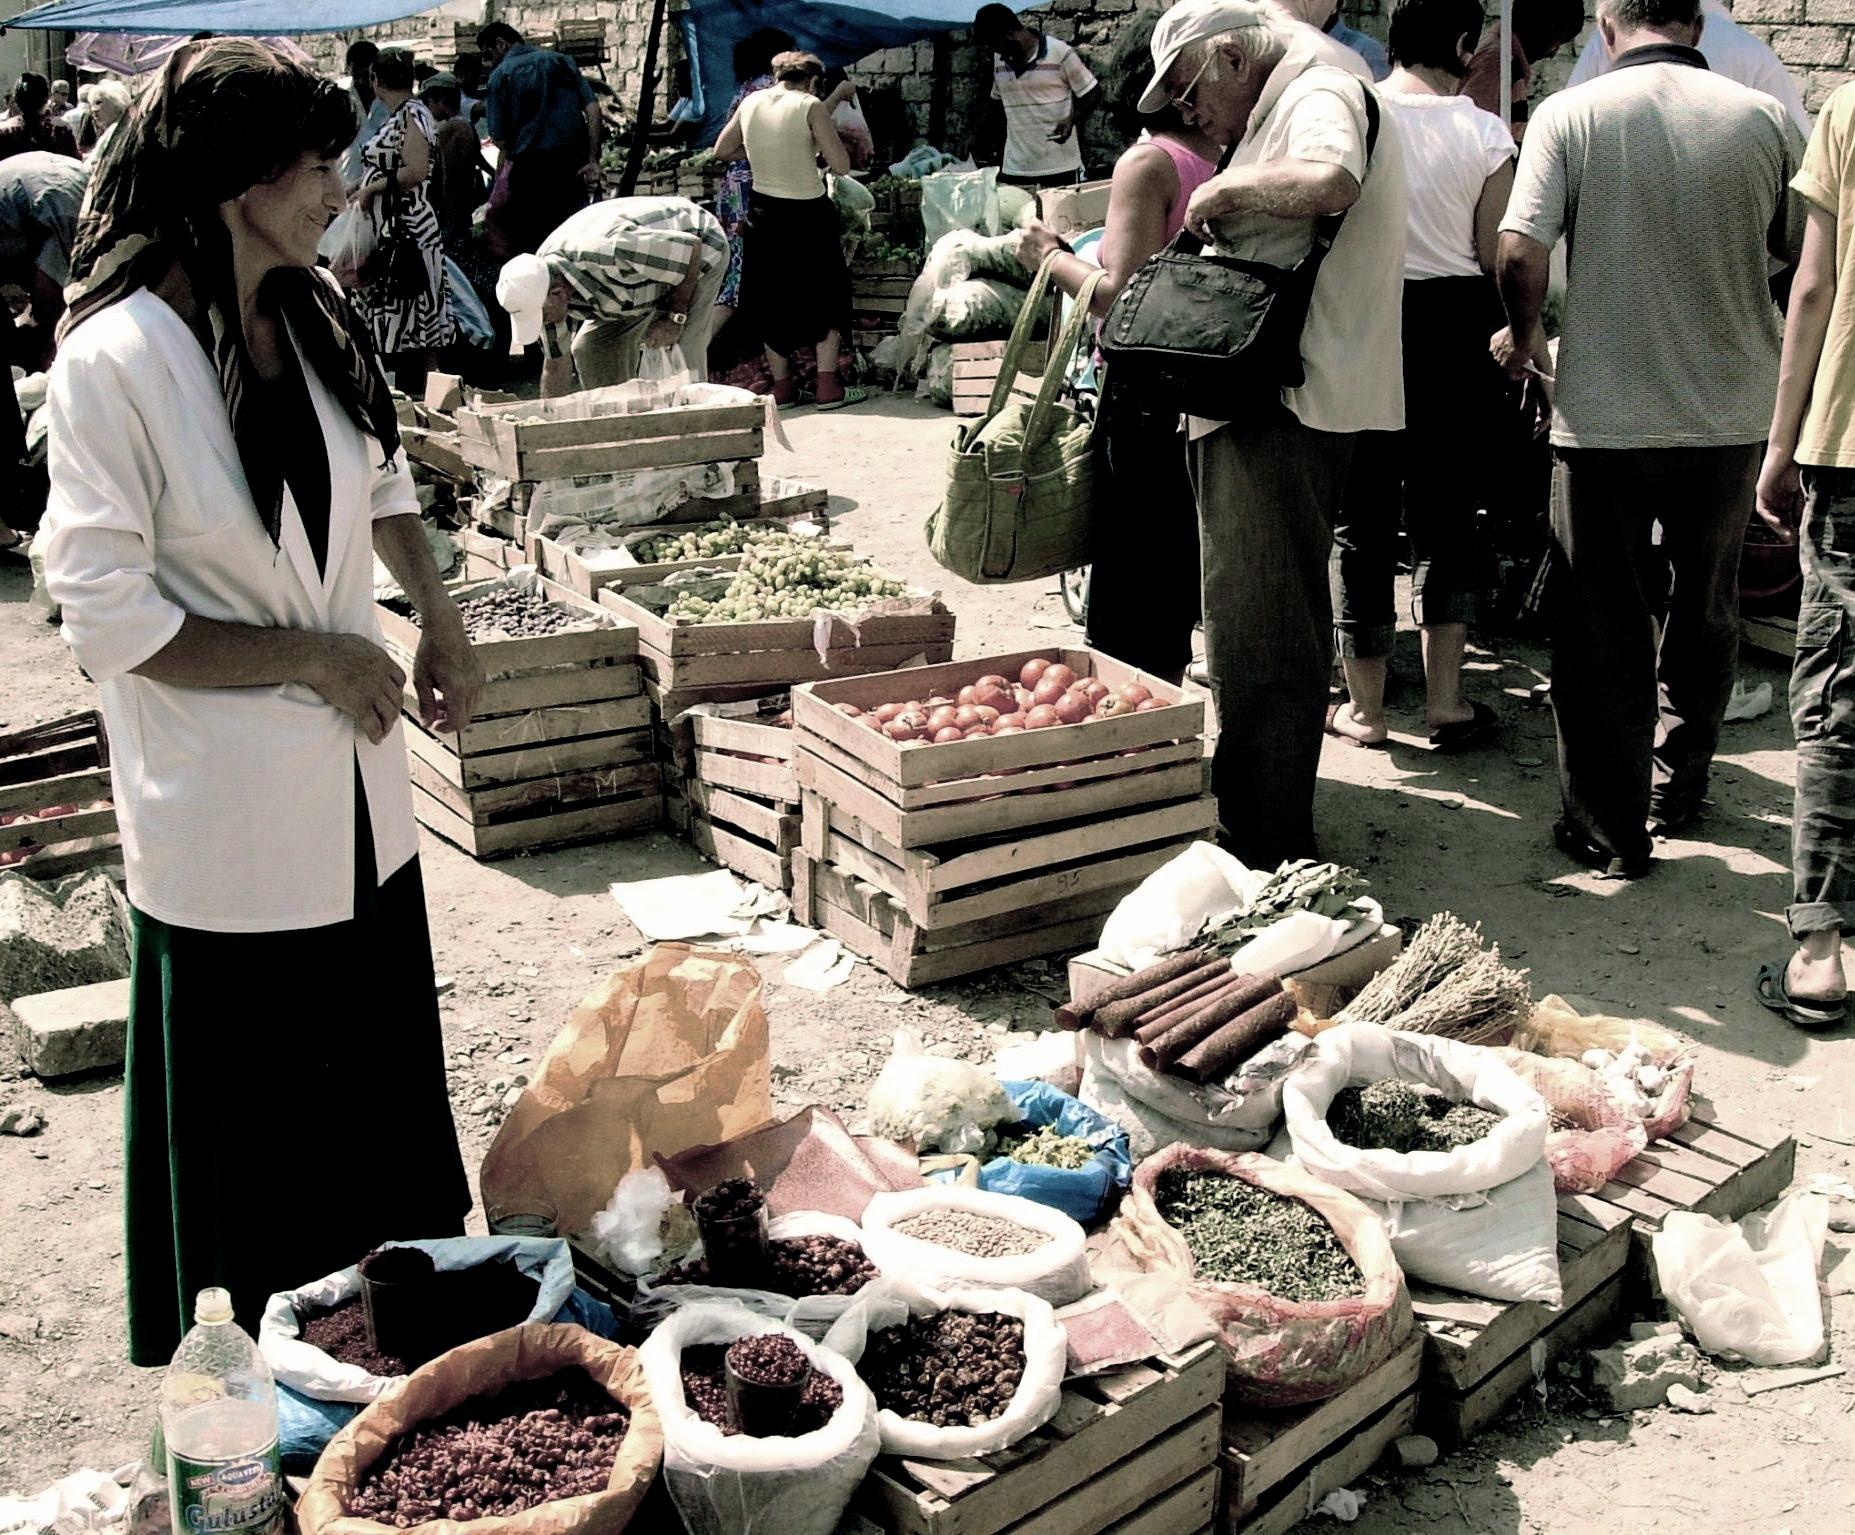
[(1241, 1234), (508, 612), (1046, 1146), (705, 1389), (796, 1266), (1393, 1115), (499, 1456), (954, 1369), (981, 1236), (340, 1331)]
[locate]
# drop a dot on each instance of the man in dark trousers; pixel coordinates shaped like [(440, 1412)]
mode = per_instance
[(1674, 184), (546, 124)]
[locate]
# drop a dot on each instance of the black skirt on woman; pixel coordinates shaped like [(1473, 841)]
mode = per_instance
[(285, 1108), (795, 286)]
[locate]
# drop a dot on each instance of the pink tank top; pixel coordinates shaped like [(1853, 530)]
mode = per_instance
[(1194, 170)]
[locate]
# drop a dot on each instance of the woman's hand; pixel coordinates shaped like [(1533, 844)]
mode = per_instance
[(360, 679), (1780, 493), (448, 674), (1035, 243)]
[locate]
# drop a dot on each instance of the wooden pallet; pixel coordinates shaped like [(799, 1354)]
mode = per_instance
[(569, 437), (1481, 1355), (1131, 1452), (559, 750), (55, 799), (1277, 1465)]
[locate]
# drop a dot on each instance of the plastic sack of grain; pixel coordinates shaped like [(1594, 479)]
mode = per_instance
[(1277, 1352), (733, 1484), (892, 1301), (1055, 1269)]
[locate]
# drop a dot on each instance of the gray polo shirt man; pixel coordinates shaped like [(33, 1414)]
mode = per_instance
[(1670, 185)]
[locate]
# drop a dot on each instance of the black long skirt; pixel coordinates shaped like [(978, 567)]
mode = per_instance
[(795, 287), (285, 1107)]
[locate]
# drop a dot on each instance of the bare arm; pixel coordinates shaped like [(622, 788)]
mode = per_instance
[(1806, 324), (415, 165), (732, 145), (446, 672), (829, 145), (595, 138), (1522, 273), (1489, 210), (1286, 189), (1143, 187)]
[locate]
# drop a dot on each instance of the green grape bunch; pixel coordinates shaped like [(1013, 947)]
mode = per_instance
[(788, 579)]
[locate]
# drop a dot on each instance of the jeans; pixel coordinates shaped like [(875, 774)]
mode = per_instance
[(1144, 592), (1823, 710), (1638, 723), (1268, 490)]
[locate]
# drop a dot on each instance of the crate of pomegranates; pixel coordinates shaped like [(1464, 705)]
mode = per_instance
[(543, 1417)]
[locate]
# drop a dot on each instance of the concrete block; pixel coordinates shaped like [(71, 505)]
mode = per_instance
[(1833, 12), (63, 1033), (1639, 1375), (1745, 11), (1815, 47)]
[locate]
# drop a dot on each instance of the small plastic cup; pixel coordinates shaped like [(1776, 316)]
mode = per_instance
[(734, 1245), (526, 1217), (396, 1290), (761, 1410)]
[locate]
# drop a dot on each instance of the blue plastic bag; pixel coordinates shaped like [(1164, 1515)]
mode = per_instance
[(1084, 1194)]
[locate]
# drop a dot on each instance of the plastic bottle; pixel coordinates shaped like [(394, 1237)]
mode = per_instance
[(219, 1419)]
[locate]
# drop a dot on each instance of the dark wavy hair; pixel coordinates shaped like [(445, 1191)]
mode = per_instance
[(1429, 33), (1129, 68), (754, 54)]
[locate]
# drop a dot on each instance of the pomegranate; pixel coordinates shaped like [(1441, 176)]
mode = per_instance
[(1111, 706), (988, 715), (993, 680), (1007, 730), (1048, 690), (1065, 676), (901, 730), (939, 702), (966, 716), (871, 720), (948, 733), (1012, 721), (1148, 705), (976, 732), (1042, 717), (1023, 696), (999, 696), (1032, 670), (1134, 694), (850, 711), (940, 718), (1072, 708), (969, 694), (1094, 689), (914, 717), (883, 713)]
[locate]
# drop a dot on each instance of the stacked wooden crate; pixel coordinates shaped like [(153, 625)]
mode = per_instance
[(594, 433), (975, 374), (935, 861), (583, 40), (879, 289), (56, 814), (1129, 1452), (559, 749), (734, 788)]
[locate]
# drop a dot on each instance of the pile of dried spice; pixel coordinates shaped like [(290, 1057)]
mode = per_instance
[(1397, 1116), (1241, 1234), (981, 1236), (1046, 1147)]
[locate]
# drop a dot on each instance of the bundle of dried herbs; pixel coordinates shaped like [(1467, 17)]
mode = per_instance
[(1302, 885), (1238, 1233), (1046, 1147), (1445, 982), (1399, 1116)]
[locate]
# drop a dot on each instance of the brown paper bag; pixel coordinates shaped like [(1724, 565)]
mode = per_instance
[(808, 1162), (671, 1052), (530, 1352)]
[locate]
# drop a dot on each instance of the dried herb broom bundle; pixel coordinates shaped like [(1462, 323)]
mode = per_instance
[(1445, 982)]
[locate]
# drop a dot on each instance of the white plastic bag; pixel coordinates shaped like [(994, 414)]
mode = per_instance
[(628, 1232), (1748, 1288), (959, 199), (936, 1102), (1053, 1056), (348, 244), (1057, 1272), (893, 1300), (809, 1314), (1156, 1109), (1170, 907), (979, 309), (730, 1484), (1481, 1218)]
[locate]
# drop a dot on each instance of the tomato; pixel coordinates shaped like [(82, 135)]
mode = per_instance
[(940, 718), (1135, 694), (1032, 670), (1048, 690), (1042, 717), (1065, 676), (948, 733), (1072, 708), (1012, 721)]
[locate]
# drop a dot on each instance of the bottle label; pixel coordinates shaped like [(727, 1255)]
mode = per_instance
[(239, 1496)]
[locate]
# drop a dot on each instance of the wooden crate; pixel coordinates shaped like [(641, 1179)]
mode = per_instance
[(975, 374), (1277, 1465), (600, 496), (56, 815), (571, 437), (583, 41), (738, 808), (560, 747), (1775, 636), (571, 568), (1480, 1355), (1130, 1452)]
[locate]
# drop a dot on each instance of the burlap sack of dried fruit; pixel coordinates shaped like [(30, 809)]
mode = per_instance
[(479, 1370), (1278, 1352)]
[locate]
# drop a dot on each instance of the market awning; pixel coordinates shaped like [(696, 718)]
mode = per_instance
[(136, 53), (243, 17)]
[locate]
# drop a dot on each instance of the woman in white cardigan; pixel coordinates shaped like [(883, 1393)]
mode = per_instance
[(225, 464)]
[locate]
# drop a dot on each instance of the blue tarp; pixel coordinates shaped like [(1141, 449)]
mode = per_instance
[(838, 33), (244, 17)]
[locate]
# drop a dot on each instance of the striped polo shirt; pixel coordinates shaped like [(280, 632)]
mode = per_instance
[(622, 257), (1035, 101)]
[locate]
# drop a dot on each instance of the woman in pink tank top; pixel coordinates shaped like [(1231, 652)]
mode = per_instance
[(1144, 598)]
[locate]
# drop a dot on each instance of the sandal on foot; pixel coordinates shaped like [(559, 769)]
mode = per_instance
[(851, 396), (1773, 992), (1577, 846), (1454, 736)]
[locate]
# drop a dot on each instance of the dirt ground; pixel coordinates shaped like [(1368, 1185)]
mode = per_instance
[(524, 939)]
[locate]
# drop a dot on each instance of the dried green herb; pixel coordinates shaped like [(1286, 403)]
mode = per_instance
[(1241, 1234), (1398, 1116), (1045, 1147)]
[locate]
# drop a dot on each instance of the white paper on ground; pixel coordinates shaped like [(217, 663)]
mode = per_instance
[(687, 906), (821, 967), (1748, 1288)]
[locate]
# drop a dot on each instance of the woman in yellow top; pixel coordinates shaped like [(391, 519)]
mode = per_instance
[(795, 287)]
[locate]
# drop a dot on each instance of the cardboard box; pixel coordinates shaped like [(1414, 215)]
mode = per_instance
[(1071, 211)]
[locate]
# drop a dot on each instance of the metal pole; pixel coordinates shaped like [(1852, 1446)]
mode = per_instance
[(1507, 62)]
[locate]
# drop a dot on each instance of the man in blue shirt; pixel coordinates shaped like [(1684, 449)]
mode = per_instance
[(546, 124)]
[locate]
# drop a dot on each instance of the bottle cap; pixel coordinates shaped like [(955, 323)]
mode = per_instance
[(213, 1306)]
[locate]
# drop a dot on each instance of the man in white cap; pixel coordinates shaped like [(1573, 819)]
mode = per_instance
[(1310, 144), (632, 273)]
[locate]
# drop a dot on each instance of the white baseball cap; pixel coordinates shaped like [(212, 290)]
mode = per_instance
[(522, 290), (1188, 22)]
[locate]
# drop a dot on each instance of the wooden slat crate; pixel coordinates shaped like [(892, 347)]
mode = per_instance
[(558, 439), (559, 750), (1277, 1465), (1775, 636), (737, 807), (975, 373), (1131, 1452), (601, 495), (56, 815), (1480, 1355), (583, 41), (586, 575)]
